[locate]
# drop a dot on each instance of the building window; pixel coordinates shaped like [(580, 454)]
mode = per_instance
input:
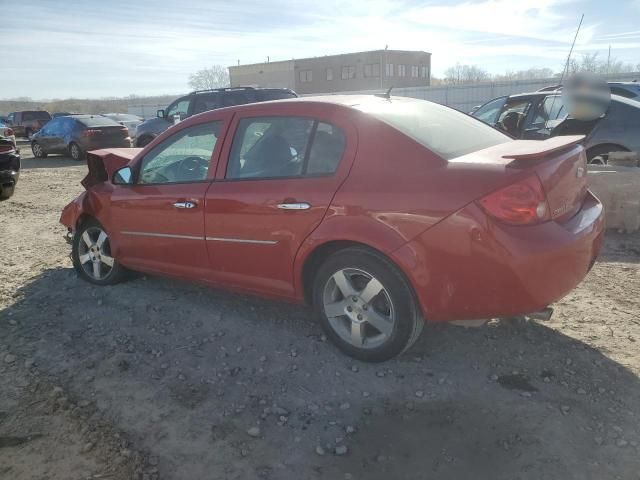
[(388, 69), (306, 76), (348, 72), (424, 71), (372, 70), (414, 71), (329, 73), (402, 70)]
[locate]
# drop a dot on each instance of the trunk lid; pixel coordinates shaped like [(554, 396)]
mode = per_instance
[(559, 162), (104, 163)]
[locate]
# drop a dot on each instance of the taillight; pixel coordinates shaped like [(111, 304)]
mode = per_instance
[(6, 148), (521, 203)]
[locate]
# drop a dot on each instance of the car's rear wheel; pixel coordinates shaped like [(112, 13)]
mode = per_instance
[(91, 255), (365, 305), (38, 151), (76, 152), (599, 155)]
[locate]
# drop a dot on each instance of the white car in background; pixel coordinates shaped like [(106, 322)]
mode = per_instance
[(7, 132), (126, 119)]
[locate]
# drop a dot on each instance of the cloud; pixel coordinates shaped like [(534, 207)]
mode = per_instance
[(149, 47)]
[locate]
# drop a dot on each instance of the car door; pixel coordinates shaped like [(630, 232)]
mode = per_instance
[(279, 175), (546, 115), (158, 222), (45, 135), (55, 135)]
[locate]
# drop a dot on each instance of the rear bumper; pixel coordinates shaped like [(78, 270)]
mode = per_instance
[(471, 267), (98, 145)]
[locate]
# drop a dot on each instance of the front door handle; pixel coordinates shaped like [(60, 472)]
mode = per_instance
[(185, 205), (294, 206)]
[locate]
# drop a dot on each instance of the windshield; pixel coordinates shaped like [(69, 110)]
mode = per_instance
[(445, 131)]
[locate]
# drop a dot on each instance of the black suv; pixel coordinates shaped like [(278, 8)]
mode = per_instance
[(202, 101)]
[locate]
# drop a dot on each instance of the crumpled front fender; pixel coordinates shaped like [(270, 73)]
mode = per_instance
[(72, 212)]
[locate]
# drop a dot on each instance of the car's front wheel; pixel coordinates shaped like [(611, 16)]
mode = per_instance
[(365, 305), (38, 151), (91, 255)]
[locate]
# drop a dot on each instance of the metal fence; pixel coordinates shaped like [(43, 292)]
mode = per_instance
[(465, 97)]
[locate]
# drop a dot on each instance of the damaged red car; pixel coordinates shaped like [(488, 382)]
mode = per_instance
[(382, 213)]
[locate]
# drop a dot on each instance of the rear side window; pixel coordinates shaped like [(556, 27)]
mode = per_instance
[(273, 147), (444, 131)]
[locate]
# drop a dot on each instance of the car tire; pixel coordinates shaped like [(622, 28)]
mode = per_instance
[(38, 151), (365, 305), (76, 152), (599, 155), (91, 255)]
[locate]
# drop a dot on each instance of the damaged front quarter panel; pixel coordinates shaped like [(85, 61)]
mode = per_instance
[(102, 165)]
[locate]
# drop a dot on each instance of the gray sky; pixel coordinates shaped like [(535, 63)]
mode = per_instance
[(98, 48)]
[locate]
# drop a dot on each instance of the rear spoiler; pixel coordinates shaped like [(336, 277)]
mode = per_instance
[(530, 149)]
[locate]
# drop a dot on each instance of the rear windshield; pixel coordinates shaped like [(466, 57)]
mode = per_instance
[(97, 121), (442, 130), (275, 94), (36, 116)]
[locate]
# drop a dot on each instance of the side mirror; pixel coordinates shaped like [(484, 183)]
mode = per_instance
[(124, 176), (160, 114)]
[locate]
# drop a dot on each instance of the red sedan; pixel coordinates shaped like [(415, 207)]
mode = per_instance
[(380, 212)]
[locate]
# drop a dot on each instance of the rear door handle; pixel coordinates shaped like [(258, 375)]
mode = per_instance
[(294, 206), (185, 205)]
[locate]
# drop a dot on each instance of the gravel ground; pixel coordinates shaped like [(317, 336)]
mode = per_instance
[(157, 378)]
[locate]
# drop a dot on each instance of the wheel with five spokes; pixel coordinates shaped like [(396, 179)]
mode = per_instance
[(91, 255), (365, 305)]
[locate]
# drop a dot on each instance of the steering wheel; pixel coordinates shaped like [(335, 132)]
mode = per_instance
[(193, 166)]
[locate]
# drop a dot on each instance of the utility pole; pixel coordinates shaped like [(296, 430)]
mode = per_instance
[(609, 60)]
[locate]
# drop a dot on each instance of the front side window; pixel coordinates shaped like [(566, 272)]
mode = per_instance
[(488, 112), (551, 108), (273, 147), (184, 157), (181, 107)]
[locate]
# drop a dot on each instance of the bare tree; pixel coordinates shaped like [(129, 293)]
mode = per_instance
[(216, 76), (461, 74)]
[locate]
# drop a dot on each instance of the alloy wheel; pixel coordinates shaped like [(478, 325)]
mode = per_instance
[(75, 152), (359, 308), (37, 150), (94, 253)]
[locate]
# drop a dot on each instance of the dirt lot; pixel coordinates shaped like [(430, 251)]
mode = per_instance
[(156, 378)]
